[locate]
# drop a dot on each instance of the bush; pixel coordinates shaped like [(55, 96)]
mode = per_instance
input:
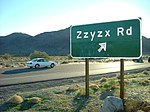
[(69, 57), (6, 56), (8, 65), (35, 100), (38, 54), (16, 99), (73, 88)]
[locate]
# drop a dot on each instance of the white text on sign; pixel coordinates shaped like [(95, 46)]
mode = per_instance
[(106, 33)]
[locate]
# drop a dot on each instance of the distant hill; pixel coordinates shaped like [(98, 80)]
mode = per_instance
[(146, 45), (53, 43)]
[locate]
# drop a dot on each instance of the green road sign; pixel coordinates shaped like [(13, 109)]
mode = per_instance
[(119, 39)]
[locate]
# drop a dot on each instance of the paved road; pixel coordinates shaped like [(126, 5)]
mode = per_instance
[(23, 75)]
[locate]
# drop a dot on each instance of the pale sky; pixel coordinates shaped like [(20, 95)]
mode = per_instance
[(38, 16)]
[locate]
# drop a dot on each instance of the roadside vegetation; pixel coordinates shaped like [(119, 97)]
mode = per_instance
[(9, 61), (38, 54), (70, 97)]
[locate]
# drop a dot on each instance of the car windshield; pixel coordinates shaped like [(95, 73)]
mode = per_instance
[(34, 60)]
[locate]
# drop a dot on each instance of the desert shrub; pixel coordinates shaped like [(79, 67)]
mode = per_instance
[(6, 56), (145, 72), (145, 82), (35, 100), (69, 57), (103, 79), (8, 65), (111, 84), (73, 88), (94, 87), (21, 64), (16, 99), (82, 92), (39, 54)]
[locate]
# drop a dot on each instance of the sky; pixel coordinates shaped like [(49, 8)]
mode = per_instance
[(37, 16)]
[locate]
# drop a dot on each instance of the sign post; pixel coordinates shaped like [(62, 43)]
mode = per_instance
[(122, 78), (87, 76)]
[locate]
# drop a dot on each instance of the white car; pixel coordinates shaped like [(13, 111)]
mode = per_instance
[(40, 62)]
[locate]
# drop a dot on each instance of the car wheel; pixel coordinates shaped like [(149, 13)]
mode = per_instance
[(37, 66), (52, 65)]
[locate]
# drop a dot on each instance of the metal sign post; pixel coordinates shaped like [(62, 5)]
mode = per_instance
[(87, 76), (122, 78)]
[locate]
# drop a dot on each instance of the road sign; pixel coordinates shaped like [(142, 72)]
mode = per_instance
[(118, 39)]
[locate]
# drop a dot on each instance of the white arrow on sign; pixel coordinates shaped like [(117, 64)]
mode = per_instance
[(102, 46)]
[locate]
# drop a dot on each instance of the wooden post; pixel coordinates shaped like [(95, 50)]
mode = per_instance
[(87, 76), (122, 78)]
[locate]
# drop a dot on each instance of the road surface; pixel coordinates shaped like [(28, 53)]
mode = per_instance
[(10, 76)]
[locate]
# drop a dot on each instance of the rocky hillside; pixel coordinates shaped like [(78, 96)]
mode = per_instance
[(54, 43), (146, 45)]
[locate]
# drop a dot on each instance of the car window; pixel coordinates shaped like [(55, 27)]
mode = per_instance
[(44, 60), (34, 60), (40, 60)]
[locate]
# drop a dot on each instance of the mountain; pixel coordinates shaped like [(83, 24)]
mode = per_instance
[(145, 45), (16, 44), (53, 43)]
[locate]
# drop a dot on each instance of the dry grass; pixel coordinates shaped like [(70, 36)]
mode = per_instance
[(73, 88), (71, 98), (35, 100)]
